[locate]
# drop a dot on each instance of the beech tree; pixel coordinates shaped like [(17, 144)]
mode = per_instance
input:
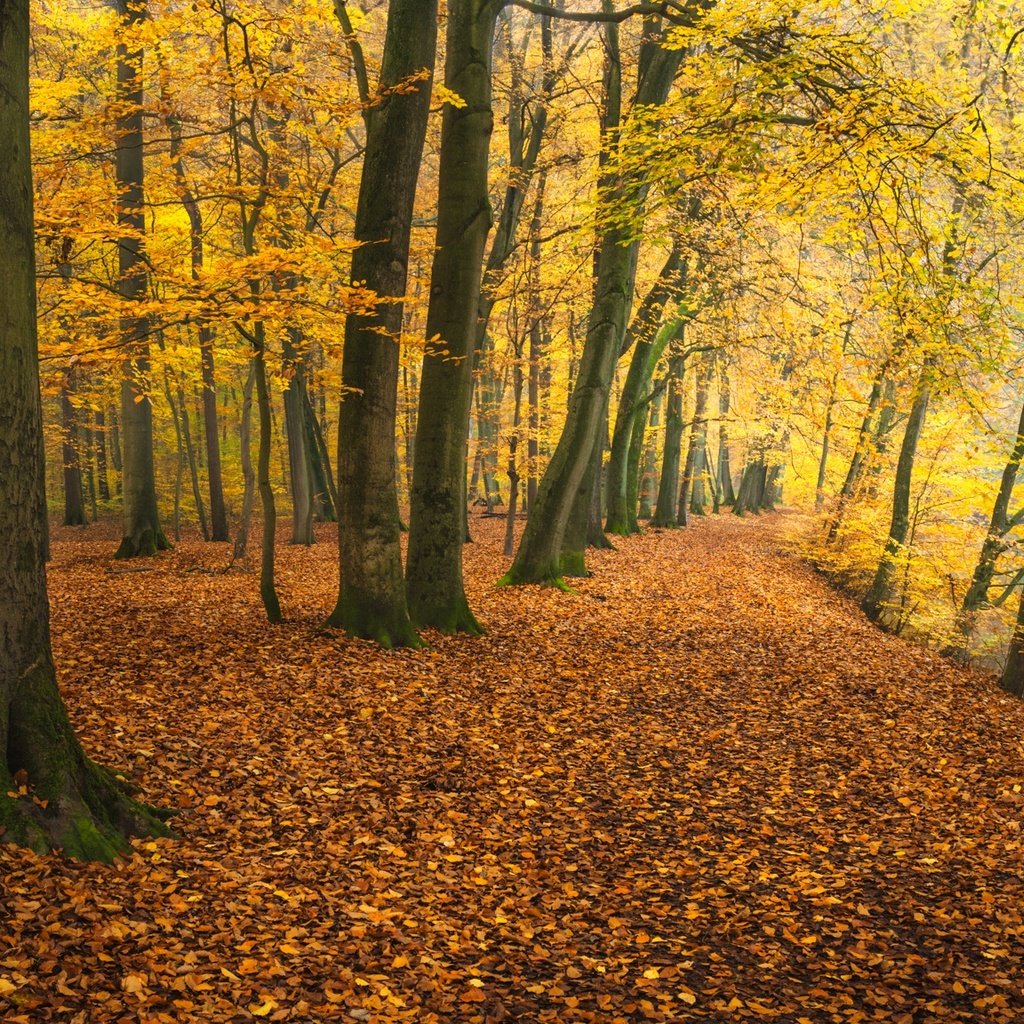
[(51, 795), (371, 599)]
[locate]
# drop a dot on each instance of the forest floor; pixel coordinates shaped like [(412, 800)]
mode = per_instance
[(702, 788)]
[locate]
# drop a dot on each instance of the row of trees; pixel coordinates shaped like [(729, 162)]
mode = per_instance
[(718, 250)]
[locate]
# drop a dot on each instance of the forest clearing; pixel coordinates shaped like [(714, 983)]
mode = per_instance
[(703, 787)]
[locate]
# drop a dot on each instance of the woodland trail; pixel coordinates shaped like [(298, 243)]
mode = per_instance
[(703, 788)]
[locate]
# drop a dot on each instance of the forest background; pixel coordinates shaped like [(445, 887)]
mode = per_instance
[(818, 222)]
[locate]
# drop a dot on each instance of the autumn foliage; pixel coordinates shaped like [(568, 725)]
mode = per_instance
[(682, 794)]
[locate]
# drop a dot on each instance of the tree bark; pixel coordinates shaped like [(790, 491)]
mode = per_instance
[(668, 484), (539, 554), (142, 533), (879, 602), (437, 526), (61, 800), (74, 500), (372, 600)]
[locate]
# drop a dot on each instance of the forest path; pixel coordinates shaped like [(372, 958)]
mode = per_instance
[(703, 788)]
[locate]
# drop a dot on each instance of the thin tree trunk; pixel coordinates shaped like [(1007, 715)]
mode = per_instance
[(74, 501), (240, 550), (878, 603), (100, 441), (668, 485)]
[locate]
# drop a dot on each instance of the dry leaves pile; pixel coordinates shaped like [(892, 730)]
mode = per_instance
[(701, 789)]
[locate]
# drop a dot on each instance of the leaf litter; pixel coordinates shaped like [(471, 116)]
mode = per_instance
[(701, 788)]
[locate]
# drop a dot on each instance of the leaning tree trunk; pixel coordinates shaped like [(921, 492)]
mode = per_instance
[(437, 518), (878, 603), (142, 532), (642, 338), (51, 795), (994, 545), (372, 599), (539, 554)]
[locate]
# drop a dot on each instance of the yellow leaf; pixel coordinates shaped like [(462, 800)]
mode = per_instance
[(476, 983), (262, 1010), (651, 973)]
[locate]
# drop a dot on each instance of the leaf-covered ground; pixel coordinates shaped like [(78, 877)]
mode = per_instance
[(703, 788)]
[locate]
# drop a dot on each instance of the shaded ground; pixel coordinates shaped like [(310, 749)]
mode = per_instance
[(701, 789)]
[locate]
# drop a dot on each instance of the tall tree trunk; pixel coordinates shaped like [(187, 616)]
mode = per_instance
[(641, 336), (668, 485), (268, 586), (725, 488), (513, 447), (539, 554), (300, 472), (437, 526), (142, 532), (115, 450), (648, 490), (218, 513), (51, 795), (240, 550), (696, 458), (100, 441), (372, 600), (74, 501), (879, 602), (994, 545)]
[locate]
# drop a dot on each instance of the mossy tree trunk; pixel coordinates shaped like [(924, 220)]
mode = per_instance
[(879, 603), (641, 337), (372, 598), (668, 483), (74, 499), (995, 543), (726, 492), (62, 800), (648, 491), (142, 532), (544, 539), (437, 521)]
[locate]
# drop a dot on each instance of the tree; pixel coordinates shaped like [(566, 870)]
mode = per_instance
[(544, 544), (63, 800), (142, 532), (371, 599)]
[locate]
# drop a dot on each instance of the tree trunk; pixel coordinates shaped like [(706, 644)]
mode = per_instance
[(100, 441), (240, 550), (727, 495), (1012, 679), (879, 602), (641, 337), (994, 545), (668, 485), (539, 554), (648, 491), (437, 525), (300, 471), (61, 799), (372, 600), (74, 500), (696, 458), (142, 533)]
